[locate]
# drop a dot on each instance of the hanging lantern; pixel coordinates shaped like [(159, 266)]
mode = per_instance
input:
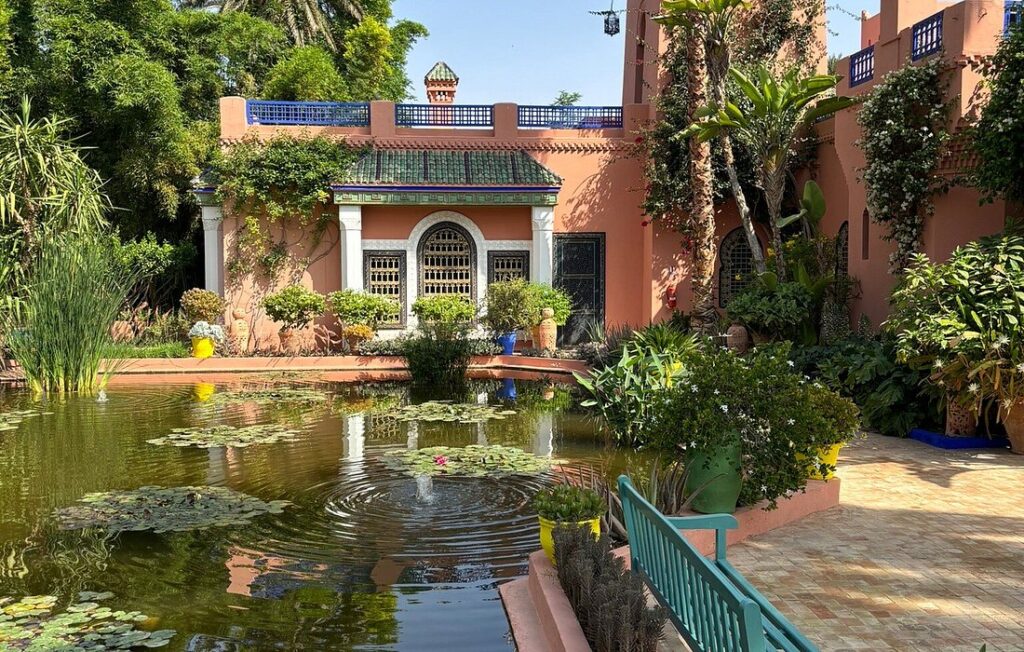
[(611, 19)]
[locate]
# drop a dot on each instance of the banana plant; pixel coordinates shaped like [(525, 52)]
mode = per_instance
[(812, 210), (775, 113)]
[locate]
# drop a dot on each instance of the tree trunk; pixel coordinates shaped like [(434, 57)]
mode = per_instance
[(774, 189), (702, 208), (718, 69)]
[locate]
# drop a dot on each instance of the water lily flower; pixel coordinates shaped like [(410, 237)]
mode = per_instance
[(440, 460)]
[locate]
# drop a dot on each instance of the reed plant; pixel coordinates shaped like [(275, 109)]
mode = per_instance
[(73, 294)]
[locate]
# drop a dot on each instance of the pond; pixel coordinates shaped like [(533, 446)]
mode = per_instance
[(367, 557)]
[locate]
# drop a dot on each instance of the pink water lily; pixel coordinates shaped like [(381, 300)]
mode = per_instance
[(440, 460)]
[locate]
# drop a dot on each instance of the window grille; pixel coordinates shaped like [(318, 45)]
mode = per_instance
[(862, 66), (446, 263), (736, 269), (508, 266), (843, 251), (385, 276), (927, 37)]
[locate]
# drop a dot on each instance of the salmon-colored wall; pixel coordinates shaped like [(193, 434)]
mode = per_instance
[(495, 222)]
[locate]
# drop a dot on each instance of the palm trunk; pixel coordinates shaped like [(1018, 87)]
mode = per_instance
[(702, 207), (774, 189), (718, 68)]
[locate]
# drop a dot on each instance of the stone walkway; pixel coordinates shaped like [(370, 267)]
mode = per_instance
[(925, 553)]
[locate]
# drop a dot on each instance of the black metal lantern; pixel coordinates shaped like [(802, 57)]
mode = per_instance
[(611, 19)]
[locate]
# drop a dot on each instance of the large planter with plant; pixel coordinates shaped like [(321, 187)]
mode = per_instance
[(716, 477), (1013, 421), (565, 506), (294, 308), (205, 338), (508, 311), (360, 314)]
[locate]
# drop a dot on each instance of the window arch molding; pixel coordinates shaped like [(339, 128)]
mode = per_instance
[(447, 247), (735, 265)]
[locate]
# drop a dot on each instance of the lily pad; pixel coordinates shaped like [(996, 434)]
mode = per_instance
[(303, 395), (11, 420), (446, 411), (472, 461), (34, 623), (174, 509), (221, 436)]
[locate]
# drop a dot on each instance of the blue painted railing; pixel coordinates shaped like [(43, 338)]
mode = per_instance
[(862, 66), (927, 37), (570, 117), (1013, 15), (334, 114), (444, 115)]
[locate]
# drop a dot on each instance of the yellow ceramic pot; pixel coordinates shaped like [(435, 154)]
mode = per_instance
[(830, 456), (547, 528), (202, 347)]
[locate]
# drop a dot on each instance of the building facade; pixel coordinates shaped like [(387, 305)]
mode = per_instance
[(451, 197)]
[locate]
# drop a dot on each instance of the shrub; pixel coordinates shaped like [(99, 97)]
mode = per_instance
[(438, 355), (306, 73), (351, 308), (963, 318), (357, 332), (999, 135), (75, 292), (772, 310), (444, 309), (294, 306), (202, 305), (777, 415), (508, 307), (609, 601), (566, 503), (540, 296)]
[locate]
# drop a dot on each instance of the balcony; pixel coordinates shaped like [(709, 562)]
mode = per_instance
[(862, 66), (927, 37)]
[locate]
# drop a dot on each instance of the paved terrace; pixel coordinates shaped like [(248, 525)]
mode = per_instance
[(925, 553)]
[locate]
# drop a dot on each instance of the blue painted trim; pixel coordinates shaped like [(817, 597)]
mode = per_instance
[(1013, 14), (949, 442), (862, 66), (927, 37), (397, 188)]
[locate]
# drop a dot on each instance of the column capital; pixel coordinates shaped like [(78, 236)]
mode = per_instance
[(543, 218), (212, 217), (350, 217)]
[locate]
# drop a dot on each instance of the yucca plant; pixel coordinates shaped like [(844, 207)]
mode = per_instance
[(73, 294), (775, 112)]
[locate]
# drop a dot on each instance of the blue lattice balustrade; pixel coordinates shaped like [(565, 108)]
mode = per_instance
[(333, 114), (570, 117)]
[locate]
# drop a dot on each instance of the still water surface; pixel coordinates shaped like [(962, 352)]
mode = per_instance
[(364, 560)]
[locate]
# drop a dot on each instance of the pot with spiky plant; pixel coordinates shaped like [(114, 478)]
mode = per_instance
[(567, 505), (294, 307), (508, 311)]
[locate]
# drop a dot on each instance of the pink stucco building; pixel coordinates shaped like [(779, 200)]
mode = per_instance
[(451, 197)]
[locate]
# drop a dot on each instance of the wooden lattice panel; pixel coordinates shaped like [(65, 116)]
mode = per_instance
[(446, 264)]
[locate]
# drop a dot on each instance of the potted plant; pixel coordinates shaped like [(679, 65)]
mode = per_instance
[(508, 310), (294, 307), (564, 505), (832, 422), (205, 338), (361, 309), (541, 296), (771, 310), (202, 305), (962, 321)]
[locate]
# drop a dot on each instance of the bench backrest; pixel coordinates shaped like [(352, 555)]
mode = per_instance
[(706, 608)]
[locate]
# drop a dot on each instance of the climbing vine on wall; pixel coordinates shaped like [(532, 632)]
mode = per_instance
[(904, 124), (269, 183)]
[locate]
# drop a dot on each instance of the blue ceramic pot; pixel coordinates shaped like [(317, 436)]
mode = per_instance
[(507, 342)]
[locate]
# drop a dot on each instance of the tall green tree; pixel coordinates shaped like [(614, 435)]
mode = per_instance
[(774, 115), (306, 21)]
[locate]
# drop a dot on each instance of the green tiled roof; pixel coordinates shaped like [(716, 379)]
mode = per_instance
[(441, 72), (434, 168)]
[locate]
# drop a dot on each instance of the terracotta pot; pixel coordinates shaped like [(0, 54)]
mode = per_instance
[(737, 338), (291, 342), (547, 331), (1013, 421)]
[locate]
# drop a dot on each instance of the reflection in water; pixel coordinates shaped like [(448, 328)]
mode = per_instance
[(367, 558)]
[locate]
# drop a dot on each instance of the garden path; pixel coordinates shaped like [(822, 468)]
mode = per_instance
[(924, 553)]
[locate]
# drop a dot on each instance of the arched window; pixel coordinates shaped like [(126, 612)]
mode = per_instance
[(447, 262), (736, 266), (843, 251)]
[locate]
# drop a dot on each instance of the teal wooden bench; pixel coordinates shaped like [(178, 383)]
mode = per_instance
[(714, 608)]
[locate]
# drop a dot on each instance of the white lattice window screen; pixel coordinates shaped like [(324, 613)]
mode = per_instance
[(382, 426), (447, 264), (509, 267), (737, 266), (384, 276)]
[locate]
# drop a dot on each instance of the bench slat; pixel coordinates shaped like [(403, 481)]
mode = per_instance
[(768, 610)]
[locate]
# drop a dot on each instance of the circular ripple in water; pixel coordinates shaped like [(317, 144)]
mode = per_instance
[(371, 513)]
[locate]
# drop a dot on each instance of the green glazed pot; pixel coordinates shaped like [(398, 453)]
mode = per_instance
[(719, 475)]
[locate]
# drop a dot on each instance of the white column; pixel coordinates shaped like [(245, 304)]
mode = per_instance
[(542, 258), (544, 444), (350, 231), (355, 437), (213, 247)]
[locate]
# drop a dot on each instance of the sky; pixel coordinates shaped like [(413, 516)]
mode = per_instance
[(526, 51)]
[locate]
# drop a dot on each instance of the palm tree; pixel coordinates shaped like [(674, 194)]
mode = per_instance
[(716, 18), (306, 21), (774, 115)]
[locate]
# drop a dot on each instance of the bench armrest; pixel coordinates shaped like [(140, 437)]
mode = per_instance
[(717, 522), (705, 522)]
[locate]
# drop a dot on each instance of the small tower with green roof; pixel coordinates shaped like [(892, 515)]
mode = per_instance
[(441, 83)]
